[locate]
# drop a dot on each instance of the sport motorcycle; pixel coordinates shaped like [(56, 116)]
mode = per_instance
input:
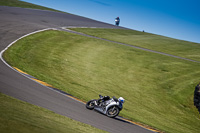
[(106, 105)]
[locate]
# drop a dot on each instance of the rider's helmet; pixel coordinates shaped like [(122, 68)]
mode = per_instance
[(121, 99)]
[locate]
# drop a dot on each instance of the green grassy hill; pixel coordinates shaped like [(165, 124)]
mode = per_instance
[(158, 89), (164, 44)]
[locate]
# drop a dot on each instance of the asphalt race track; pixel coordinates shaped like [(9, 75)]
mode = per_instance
[(16, 22)]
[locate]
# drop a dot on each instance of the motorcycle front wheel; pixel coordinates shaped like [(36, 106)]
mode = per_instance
[(90, 104), (112, 111)]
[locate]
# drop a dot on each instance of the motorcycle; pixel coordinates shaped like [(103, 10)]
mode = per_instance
[(106, 105)]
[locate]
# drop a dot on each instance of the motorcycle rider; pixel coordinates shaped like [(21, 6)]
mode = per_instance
[(121, 100), (117, 20), (106, 105), (106, 98)]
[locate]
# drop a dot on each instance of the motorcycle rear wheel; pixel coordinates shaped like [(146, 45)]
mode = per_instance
[(90, 104)]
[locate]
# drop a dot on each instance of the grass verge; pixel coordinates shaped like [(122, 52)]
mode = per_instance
[(17, 116), (158, 89), (172, 46)]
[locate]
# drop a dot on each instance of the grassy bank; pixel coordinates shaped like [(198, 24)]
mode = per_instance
[(158, 89), (18, 3), (21, 117), (146, 40)]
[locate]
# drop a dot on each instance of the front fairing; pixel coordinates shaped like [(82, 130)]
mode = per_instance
[(106, 105), (100, 109), (112, 103)]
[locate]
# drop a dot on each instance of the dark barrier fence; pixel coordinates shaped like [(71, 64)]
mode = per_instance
[(197, 97)]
